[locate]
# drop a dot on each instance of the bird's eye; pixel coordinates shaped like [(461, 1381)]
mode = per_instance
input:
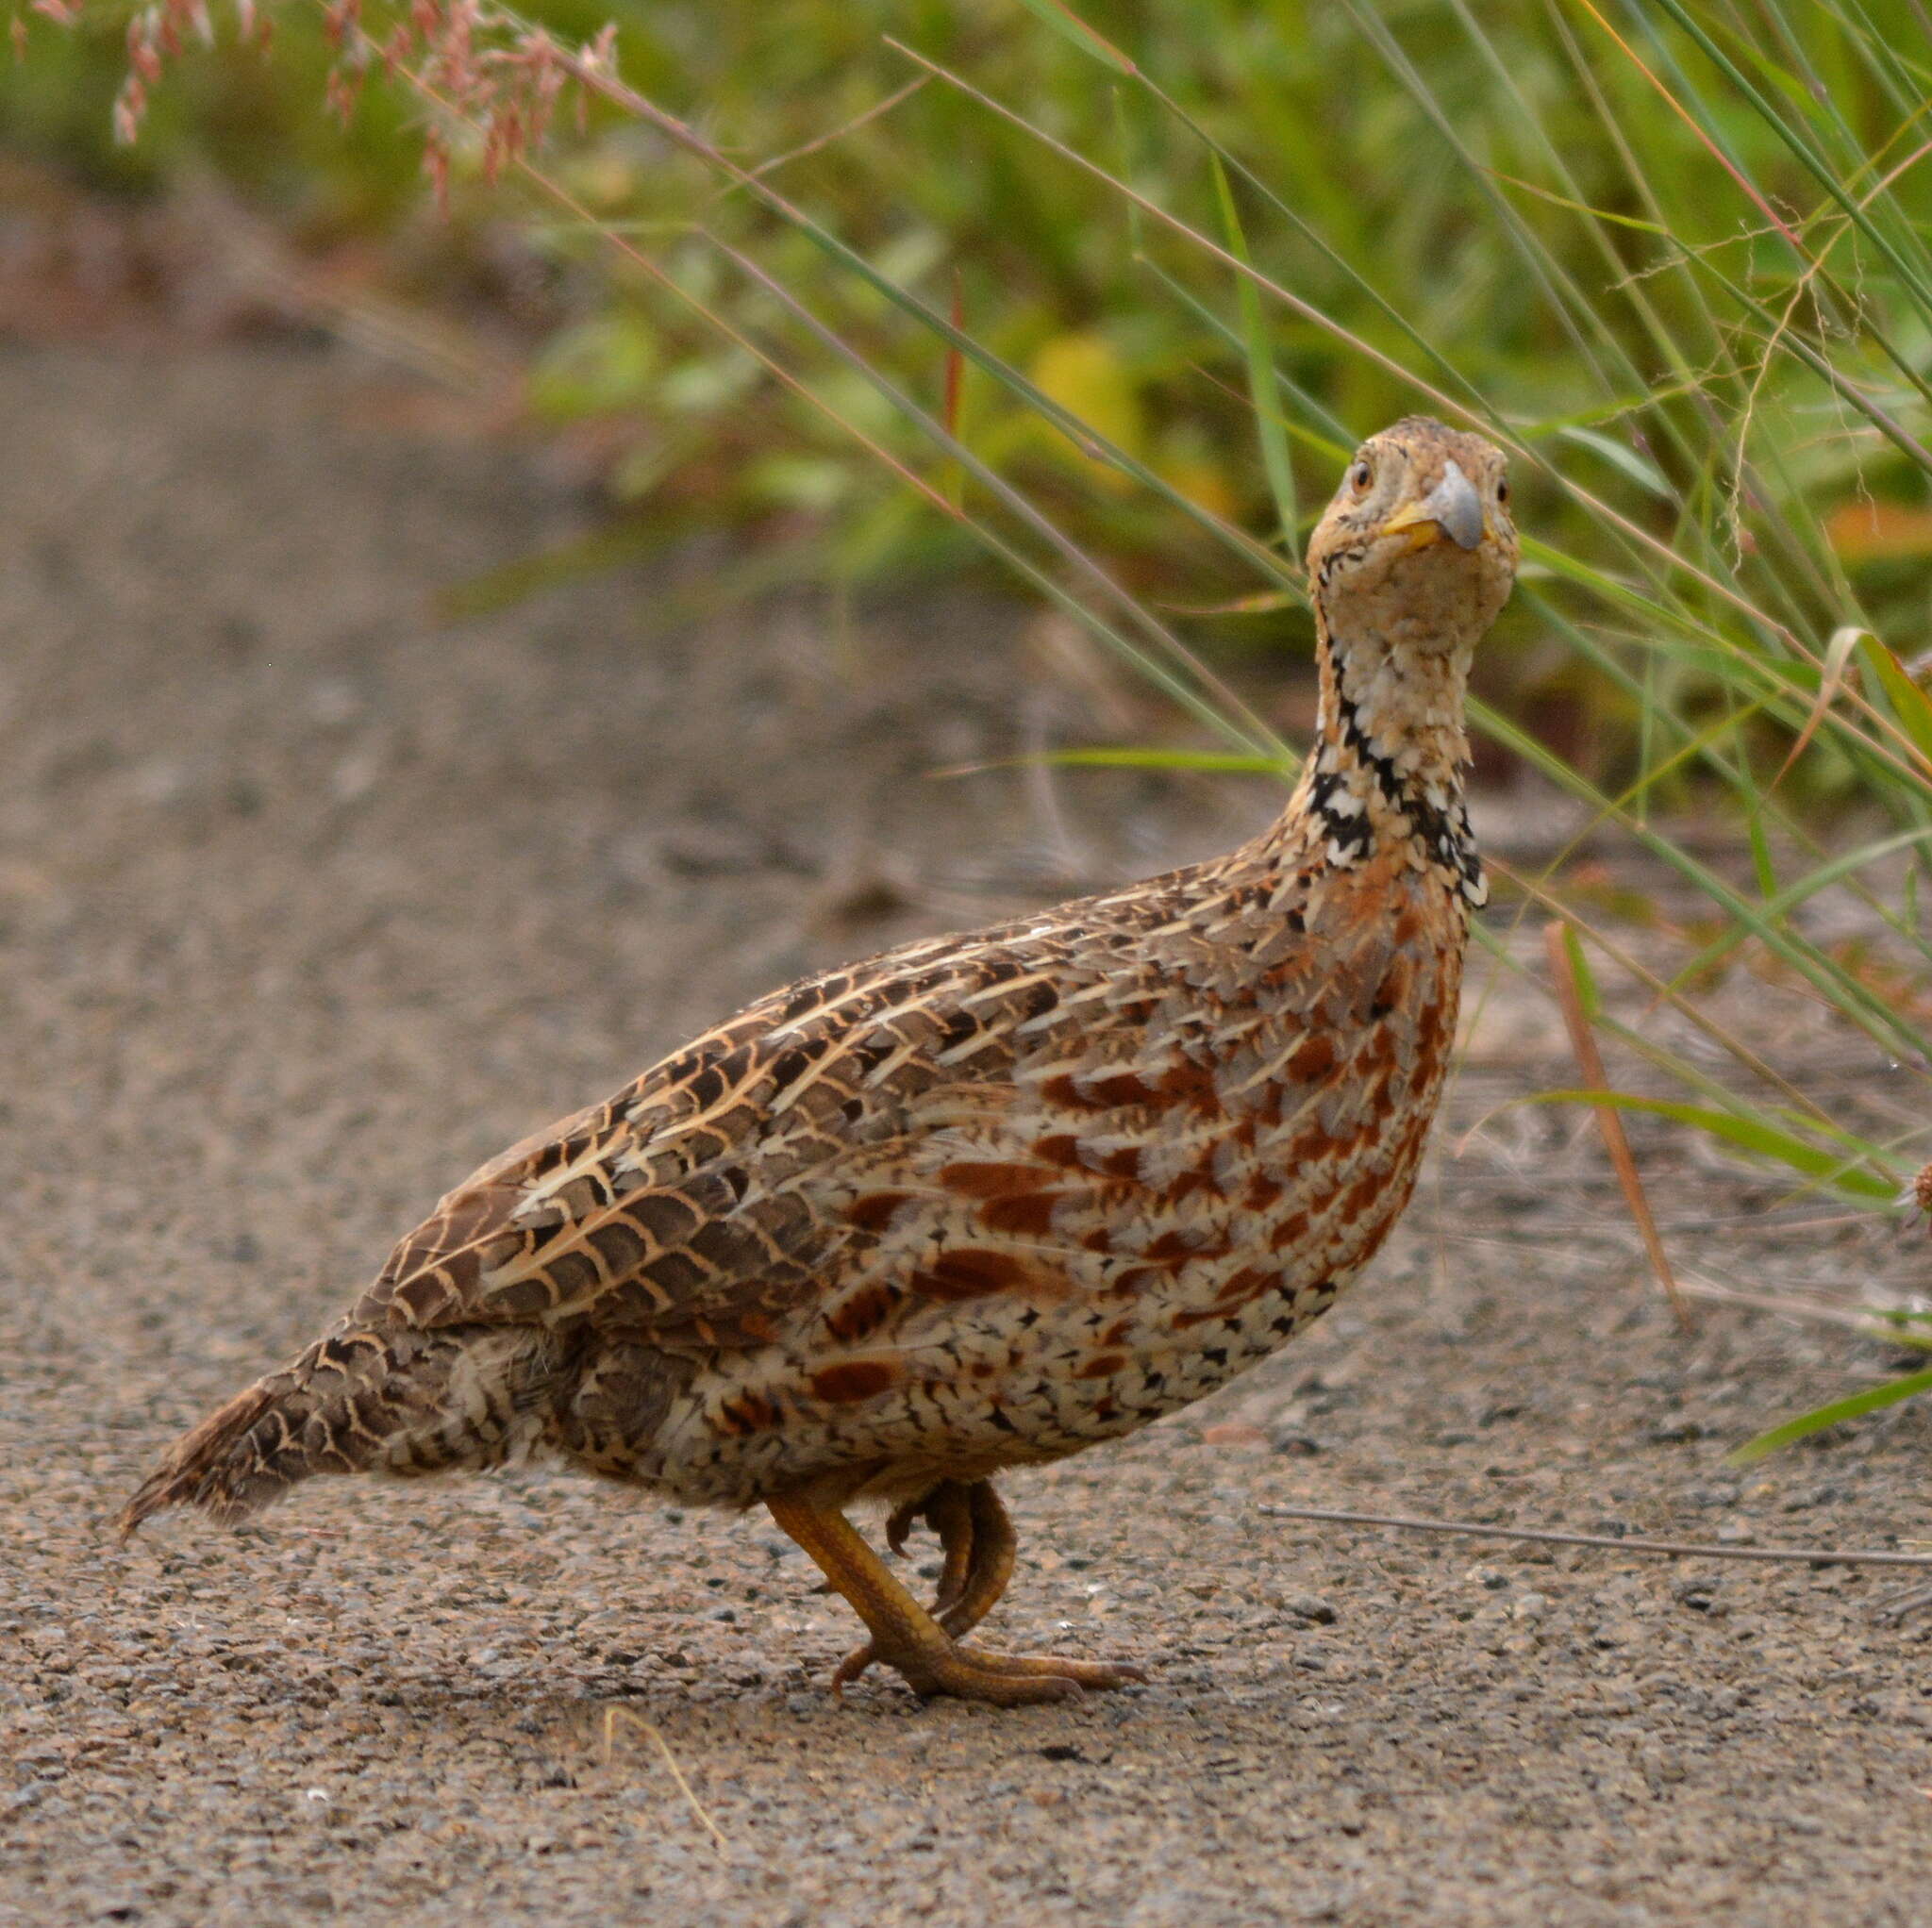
[(1502, 491), (1360, 477)]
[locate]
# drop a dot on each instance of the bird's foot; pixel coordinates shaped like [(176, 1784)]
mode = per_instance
[(950, 1510), (977, 1540), (979, 1559), (1006, 1680)]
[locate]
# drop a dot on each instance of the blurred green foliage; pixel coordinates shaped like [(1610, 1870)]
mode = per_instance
[(1536, 209)]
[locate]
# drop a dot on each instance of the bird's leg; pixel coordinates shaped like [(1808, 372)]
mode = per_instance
[(988, 1563), (995, 1547), (906, 1637), (979, 1544)]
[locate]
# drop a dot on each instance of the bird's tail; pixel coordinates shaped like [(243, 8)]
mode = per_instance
[(363, 1399)]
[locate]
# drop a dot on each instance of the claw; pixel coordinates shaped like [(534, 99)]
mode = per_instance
[(948, 1510), (854, 1664), (904, 1517)]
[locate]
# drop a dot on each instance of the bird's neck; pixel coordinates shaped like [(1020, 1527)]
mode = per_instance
[(1385, 771)]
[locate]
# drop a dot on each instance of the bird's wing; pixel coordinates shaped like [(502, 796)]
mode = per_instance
[(703, 1202)]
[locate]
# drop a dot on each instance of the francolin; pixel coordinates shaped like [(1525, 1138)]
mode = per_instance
[(986, 1200)]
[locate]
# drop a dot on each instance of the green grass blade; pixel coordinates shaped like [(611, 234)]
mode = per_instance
[(1874, 1400), (1071, 28), (1748, 1135), (1263, 393), (1909, 703)]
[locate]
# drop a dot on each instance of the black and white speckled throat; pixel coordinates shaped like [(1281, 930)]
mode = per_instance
[(1444, 834)]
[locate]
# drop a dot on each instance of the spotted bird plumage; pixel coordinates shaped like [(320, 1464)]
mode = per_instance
[(986, 1200)]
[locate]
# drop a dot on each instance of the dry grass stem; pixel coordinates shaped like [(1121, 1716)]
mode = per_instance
[(612, 1716), (1672, 1549), (1589, 1062)]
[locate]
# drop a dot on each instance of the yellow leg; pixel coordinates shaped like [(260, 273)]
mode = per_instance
[(980, 1545), (906, 1637)]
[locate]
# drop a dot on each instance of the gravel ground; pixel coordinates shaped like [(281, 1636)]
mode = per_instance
[(307, 903)]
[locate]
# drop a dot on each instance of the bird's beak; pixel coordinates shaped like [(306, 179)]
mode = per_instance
[(1451, 508)]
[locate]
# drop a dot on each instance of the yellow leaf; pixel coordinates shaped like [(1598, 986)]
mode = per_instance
[(1879, 531), (1201, 482), (1086, 377)]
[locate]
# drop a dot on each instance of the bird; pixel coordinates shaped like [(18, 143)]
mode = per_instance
[(986, 1200)]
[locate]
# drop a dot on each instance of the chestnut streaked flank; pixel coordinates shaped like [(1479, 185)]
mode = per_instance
[(982, 1200)]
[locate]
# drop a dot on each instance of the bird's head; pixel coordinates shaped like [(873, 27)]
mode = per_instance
[(1417, 552)]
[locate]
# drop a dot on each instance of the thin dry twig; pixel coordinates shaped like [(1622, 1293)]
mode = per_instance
[(612, 1716), (1896, 1607), (1590, 1060), (1675, 1549), (1662, 990)]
